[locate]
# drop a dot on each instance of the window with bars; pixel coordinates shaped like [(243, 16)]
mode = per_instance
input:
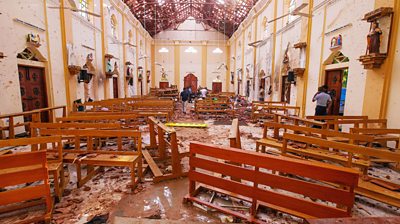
[(84, 6)]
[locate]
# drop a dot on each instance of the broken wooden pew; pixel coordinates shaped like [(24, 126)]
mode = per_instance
[(215, 108), (19, 171), (34, 115), (36, 127), (339, 156), (163, 138), (357, 123), (95, 155), (134, 116), (206, 157), (234, 135), (54, 157), (372, 189), (356, 220), (268, 110)]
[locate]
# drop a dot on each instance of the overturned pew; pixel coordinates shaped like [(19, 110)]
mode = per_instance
[(163, 138), (205, 159)]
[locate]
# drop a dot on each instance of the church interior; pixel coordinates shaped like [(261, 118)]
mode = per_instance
[(199, 111)]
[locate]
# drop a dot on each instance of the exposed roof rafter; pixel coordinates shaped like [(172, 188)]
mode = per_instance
[(157, 15)]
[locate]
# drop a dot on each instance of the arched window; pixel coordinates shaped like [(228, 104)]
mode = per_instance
[(114, 24), (292, 6), (84, 7)]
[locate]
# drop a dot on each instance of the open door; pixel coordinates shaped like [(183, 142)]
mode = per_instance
[(190, 80), (336, 80)]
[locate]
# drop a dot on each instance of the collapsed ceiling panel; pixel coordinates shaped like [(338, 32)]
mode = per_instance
[(222, 15)]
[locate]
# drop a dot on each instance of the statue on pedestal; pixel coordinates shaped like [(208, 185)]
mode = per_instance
[(374, 38), (163, 76)]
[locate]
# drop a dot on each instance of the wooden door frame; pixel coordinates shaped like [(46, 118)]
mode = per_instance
[(325, 78), (47, 80), (115, 78)]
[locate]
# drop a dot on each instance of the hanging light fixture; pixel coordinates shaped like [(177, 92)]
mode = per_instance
[(163, 50), (191, 50), (217, 50)]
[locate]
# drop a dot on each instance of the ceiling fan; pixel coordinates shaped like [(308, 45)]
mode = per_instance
[(143, 57), (162, 67), (222, 66), (295, 12), (74, 8), (123, 43)]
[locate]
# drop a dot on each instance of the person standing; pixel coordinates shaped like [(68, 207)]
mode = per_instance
[(184, 98), (203, 93), (261, 94), (324, 101)]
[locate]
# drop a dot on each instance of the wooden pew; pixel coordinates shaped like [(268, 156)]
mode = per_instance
[(214, 107), (370, 187), (234, 135), (271, 198), (36, 127), (95, 155), (126, 121), (162, 138), (138, 114), (356, 220), (341, 156), (54, 157), (22, 169), (26, 117), (337, 117), (267, 111), (357, 123), (381, 135)]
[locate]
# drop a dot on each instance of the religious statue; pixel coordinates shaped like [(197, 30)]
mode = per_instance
[(374, 38), (163, 76), (89, 65), (115, 72), (33, 39), (109, 66)]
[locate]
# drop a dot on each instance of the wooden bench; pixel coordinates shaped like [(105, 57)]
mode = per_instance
[(259, 111), (340, 156), (54, 158), (26, 117), (36, 127), (374, 188), (357, 123), (206, 157), (213, 107), (95, 155), (162, 138), (234, 135), (22, 169), (381, 136), (125, 121), (140, 115), (356, 220)]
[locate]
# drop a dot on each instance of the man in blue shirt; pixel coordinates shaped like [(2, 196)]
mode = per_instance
[(184, 97)]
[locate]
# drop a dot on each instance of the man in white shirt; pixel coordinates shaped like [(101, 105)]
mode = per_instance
[(323, 101), (203, 92)]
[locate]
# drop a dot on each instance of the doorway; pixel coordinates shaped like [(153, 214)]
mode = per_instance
[(336, 80), (115, 87), (190, 81), (285, 91), (32, 83)]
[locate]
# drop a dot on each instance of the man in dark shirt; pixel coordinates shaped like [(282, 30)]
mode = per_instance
[(184, 97)]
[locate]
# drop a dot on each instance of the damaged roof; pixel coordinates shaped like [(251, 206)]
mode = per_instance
[(222, 15)]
